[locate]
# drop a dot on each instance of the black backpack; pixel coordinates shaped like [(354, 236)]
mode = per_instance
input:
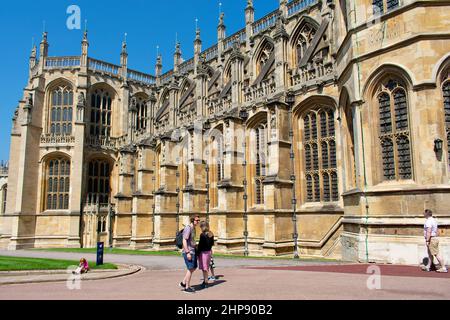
[(179, 239)]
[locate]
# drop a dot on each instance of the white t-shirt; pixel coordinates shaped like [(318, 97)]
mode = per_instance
[(431, 223)]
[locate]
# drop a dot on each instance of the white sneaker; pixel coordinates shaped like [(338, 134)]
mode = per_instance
[(212, 279), (442, 270)]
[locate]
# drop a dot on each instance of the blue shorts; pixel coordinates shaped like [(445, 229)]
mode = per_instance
[(190, 265)]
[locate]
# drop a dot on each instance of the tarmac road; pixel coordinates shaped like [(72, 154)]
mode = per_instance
[(264, 280)]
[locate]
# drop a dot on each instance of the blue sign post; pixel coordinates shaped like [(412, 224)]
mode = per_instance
[(100, 251)]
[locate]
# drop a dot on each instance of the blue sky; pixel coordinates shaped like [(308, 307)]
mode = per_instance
[(148, 23)]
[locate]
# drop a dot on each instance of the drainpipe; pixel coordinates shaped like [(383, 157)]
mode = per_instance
[(246, 253), (358, 65), (153, 207), (178, 201), (207, 192), (290, 99)]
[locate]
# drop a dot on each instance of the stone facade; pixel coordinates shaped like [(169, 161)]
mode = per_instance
[(325, 123)]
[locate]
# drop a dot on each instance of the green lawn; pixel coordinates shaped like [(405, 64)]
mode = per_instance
[(115, 251), (173, 253), (22, 264)]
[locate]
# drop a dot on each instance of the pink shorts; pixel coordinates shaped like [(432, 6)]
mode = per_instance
[(204, 259)]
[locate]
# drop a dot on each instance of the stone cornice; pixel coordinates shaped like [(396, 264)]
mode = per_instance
[(388, 15)]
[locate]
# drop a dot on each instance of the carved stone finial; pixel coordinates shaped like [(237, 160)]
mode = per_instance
[(44, 37), (16, 114), (81, 100), (133, 104), (280, 31), (33, 52), (29, 101)]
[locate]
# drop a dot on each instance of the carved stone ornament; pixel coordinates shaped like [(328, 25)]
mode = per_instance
[(81, 100), (29, 101), (133, 104)]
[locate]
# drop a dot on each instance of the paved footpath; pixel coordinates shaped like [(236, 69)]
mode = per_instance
[(156, 262), (240, 279)]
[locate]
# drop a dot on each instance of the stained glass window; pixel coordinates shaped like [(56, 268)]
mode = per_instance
[(261, 161), (99, 172), (381, 6), (141, 114), (394, 131), (101, 113), (58, 184), (61, 111), (320, 155)]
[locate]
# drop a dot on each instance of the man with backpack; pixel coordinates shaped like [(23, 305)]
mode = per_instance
[(190, 258)]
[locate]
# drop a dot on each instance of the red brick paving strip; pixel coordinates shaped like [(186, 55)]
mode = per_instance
[(386, 270)]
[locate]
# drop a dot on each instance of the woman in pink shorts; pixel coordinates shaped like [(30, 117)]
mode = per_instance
[(204, 251)]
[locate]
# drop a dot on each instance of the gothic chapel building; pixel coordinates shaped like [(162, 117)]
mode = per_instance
[(322, 127)]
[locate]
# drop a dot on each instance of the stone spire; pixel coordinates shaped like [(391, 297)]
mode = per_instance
[(221, 34), (221, 28), (197, 42), (158, 67), (124, 52), (33, 56), (124, 58), (249, 13), (283, 8), (43, 48), (84, 49), (249, 20), (177, 57)]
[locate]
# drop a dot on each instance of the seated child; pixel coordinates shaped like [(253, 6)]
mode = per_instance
[(83, 267)]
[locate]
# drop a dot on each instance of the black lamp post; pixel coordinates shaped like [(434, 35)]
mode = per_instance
[(207, 192), (112, 215), (178, 200), (438, 145), (290, 100)]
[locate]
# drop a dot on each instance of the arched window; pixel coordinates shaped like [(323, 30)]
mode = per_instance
[(264, 57), (141, 114), (382, 6), (57, 184), (319, 155), (99, 173), (219, 159), (101, 224), (219, 165), (394, 132), (446, 93), (216, 164), (101, 113), (303, 41), (61, 111), (261, 156)]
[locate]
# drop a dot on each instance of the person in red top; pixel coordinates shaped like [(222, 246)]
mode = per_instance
[(83, 267)]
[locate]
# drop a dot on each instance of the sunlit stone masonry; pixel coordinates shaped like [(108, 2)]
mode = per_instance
[(322, 128)]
